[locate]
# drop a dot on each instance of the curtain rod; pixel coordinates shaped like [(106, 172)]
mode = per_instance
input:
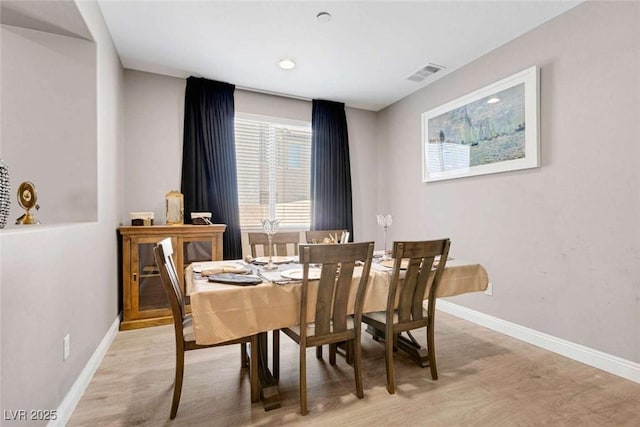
[(266, 92)]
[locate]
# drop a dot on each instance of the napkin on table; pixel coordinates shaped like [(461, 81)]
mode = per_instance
[(219, 269)]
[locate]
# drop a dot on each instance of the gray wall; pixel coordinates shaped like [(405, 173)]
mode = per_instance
[(63, 279), (50, 80), (560, 242), (154, 111)]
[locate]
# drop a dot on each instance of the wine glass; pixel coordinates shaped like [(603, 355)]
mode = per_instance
[(385, 222), (270, 227)]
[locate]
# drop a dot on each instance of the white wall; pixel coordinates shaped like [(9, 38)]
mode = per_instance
[(560, 242), (58, 280), (154, 113)]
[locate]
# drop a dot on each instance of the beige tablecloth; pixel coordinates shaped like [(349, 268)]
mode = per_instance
[(224, 312)]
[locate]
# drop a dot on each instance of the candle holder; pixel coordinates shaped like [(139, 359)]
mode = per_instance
[(385, 222), (270, 227)]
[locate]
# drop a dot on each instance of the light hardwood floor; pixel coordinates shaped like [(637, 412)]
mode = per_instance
[(485, 379)]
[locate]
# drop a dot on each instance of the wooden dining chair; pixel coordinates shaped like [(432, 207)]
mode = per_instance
[(318, 236), (183, 328), (285, 243), (418, 259), (333, 322)]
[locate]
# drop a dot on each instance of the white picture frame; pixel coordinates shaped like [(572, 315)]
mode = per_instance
[(493, 129)]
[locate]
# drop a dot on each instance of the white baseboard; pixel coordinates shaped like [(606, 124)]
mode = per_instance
[(78, 388), (606, 362)]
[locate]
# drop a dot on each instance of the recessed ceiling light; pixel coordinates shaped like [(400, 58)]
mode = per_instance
[(323, 17), (287, 64), (493, 100)]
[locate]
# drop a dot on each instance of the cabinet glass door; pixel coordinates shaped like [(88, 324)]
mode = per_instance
[(151, 295), (196, 250)]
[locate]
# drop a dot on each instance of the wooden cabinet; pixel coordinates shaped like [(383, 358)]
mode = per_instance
[(144, 302)]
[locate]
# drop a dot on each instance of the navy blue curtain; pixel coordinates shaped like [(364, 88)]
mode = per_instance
[(209, 180), (330, 168)]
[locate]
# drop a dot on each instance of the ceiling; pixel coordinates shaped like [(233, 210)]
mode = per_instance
[(362, 56)]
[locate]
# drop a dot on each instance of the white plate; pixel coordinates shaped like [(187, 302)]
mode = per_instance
[(296, 274), (275, 259)]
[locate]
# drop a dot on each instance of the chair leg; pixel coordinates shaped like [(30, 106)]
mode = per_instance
[(177, 383), (319, 352), (431, 351), (349, 352), (244, 362), (357, 365), (333, 349), (253, 370), (388, 357), (276, 354), (303, 381)]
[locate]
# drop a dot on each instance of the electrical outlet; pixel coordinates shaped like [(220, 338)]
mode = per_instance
[(489, 290), (66, 347)]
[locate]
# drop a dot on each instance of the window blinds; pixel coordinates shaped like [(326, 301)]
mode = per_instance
[(273, 164)]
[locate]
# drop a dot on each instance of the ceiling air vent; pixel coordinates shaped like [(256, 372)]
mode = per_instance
[(425, 72)]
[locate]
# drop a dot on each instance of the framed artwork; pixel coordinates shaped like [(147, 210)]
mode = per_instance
[(493, 129)]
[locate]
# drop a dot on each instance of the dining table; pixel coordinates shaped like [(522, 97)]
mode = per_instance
[(224, 311)]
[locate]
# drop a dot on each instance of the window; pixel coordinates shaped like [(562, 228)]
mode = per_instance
[(274, 171)]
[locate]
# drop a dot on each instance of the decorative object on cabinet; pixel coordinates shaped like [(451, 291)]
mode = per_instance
[(494, 129), (5, 198), (27, 199), (175, 208), (201, 218), (144, 301), (141, 218)]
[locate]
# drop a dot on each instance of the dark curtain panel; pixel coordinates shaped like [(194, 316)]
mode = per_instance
[(330, 168), (209, 181)]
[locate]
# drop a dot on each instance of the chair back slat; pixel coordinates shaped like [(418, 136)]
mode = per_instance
[(343, 289), (168, 274), (325, 297), (417, 311), (334, 287), (407, 294)]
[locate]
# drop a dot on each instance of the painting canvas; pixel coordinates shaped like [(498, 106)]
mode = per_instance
[(494, 129)]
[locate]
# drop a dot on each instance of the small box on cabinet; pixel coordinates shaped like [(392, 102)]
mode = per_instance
[(141, 218), (201, 218)]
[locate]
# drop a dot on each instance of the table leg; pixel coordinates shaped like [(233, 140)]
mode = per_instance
[(416, 352), (276, 354), (268, 383)]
